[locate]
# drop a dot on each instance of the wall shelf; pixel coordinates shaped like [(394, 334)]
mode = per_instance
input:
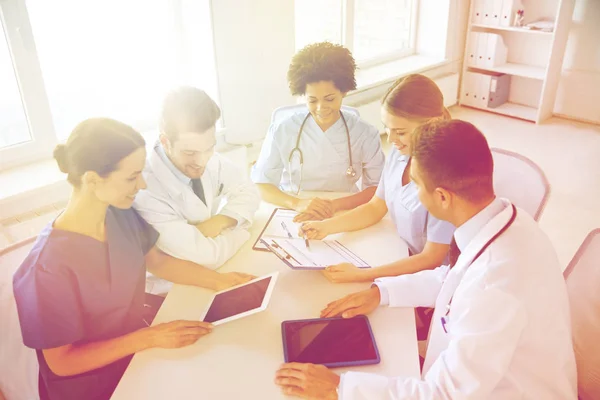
[(512, 29), (534, 65), (525, 71)]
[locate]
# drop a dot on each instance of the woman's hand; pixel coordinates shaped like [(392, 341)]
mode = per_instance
[(175, 334), (229, 279), (315, 230), (314, 209)]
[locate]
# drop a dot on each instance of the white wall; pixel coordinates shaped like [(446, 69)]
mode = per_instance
[(254, 43), (252, 68), (579, 88)]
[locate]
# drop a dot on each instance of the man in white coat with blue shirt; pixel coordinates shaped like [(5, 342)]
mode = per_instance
[(200, 203), (501, 325)]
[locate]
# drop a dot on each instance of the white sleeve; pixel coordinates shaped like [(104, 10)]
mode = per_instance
[(478, 355), (184, 241), (269, 165), (242, 198), (412, 290), (373, 158)]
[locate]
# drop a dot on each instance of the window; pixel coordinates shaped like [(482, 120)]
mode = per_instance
[(375, 31), (13, 124), (77, 59)]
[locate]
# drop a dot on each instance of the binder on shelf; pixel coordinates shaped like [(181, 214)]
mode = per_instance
[(483, 90), (477, 17), (496, 14), (509, 8), (468, 95), (472, 49), (499, 90), (481, 49), (488, 12), (496, 51)]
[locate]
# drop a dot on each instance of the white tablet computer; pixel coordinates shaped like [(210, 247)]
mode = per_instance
[(240, 301)]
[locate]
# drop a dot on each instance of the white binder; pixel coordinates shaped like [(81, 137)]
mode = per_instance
[(472, 49), (488, 11), (481, 49), (496, 51), (496, 14), (469, 88), (509, 8), (483, 89), (477, 17)]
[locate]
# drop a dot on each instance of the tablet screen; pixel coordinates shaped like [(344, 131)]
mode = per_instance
[(332, 342), (237, 301)]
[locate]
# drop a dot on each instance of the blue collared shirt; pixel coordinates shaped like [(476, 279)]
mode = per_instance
[(165, 159), (415, 225)]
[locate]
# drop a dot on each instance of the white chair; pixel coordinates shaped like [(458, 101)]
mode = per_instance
[(583, 280), (521, 181), (281, 113), (19, 366)]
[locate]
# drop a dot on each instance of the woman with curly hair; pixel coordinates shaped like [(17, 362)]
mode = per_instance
[(324, 148)]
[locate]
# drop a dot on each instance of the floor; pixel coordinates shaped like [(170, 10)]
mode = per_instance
[(569, 154)]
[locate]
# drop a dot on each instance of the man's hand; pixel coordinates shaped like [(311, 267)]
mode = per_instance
[(360, 303), (308, 381), (172, 335), (230, 279), (345, 272), (214, 226), (314, 209)]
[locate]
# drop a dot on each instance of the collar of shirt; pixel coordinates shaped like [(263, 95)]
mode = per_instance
[(165, 159), (467, 231)]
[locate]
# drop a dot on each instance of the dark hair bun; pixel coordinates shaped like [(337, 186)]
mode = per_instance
[(60, 155)]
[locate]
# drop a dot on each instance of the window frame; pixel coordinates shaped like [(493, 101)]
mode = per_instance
[(29, 78), (347, 35), (390, 56), (28, 73)]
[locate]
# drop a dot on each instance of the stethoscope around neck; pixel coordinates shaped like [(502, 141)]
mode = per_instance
[(445, 317), (350, 172)]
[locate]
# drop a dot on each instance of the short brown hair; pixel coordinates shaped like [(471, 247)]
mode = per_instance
[(96, 144), (415, 97), (322, 62), (454, 155), (188, 109)]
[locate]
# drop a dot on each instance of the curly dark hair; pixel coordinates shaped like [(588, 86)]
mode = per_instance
[(322, 62)]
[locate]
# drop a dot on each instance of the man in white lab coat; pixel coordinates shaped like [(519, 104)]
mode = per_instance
[(501, 325), (199, 202)]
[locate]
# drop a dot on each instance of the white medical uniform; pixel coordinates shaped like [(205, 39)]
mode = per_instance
[(508, 328), (325, 155), (413, 222), (170, 205)]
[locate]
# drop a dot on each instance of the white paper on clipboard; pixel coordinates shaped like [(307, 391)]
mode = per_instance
[(275, 227), (321, 254)]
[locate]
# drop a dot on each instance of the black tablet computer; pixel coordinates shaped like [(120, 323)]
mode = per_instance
[(333, 342)]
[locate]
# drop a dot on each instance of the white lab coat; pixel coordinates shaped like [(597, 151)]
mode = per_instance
[(171, 207), (509, 334), (326, 157)]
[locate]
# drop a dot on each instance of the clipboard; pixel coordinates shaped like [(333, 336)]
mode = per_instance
[(259, 245), (322, 253)]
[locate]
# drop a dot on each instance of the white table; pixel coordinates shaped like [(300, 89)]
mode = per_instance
[(238, 360)]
